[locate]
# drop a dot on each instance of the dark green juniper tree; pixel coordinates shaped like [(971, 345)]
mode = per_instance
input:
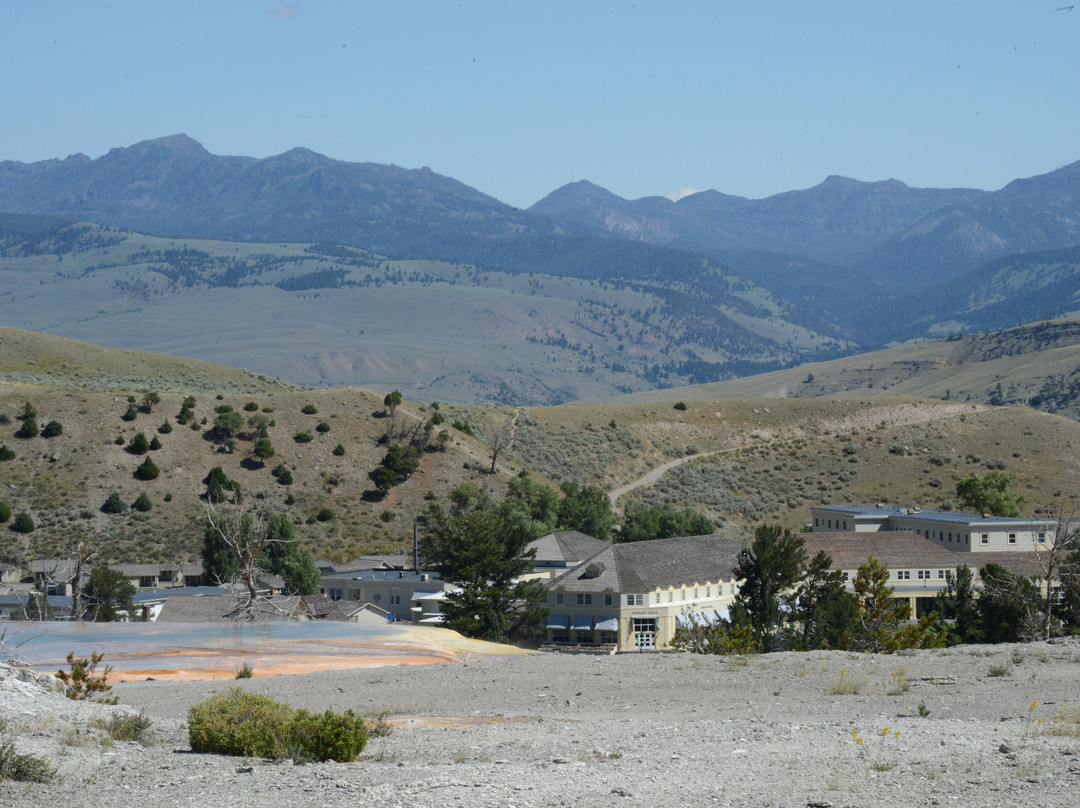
[(285, 557), (823, 606), (107, 594), (957, 601), (772, 564), (479, 545)]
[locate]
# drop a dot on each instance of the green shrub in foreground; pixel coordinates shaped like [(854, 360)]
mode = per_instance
[(329, 736), (240, 723), (23, 768)]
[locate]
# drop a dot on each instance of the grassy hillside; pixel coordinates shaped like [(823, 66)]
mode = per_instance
[(321, 314), (748, 461), (63, 481), (741, 461), (1035, 364)]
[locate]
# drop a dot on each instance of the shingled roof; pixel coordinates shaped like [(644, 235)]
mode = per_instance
[(905, 549), (565, 548), (647, 565), (901, 549)]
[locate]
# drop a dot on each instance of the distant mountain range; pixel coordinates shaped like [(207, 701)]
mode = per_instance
[(803, 275)]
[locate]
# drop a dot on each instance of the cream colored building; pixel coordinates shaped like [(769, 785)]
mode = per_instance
[(959, 532), (631, 596)]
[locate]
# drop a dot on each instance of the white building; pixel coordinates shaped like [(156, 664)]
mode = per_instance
[(962, 532)]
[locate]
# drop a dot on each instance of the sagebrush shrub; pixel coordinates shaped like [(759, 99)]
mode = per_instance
[(330, 736), (241, 723), (23, 768)]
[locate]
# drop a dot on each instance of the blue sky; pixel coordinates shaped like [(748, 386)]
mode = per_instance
[(517, 99)]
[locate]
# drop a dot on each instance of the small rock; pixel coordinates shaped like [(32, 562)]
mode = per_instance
[(245, 769)]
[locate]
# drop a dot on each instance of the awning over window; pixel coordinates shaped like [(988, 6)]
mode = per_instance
[(608, 624), (582, 622), (704, 616), (557, 621)]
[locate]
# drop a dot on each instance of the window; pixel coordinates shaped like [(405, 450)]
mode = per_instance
[(1012, 538), (635, 600), (845, 576), (608, 637), (845, 524), (561, 635), (830, 524), (941, 574), (903, 575), (708, 592), (559, 598), (378, 598), (607, 600), (584, 600), (984, 539), (695, 593), (1042, 538), (671, 596)]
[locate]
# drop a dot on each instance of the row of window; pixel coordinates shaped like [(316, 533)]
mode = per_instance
[(923, 575), (583, 599), (586, 598), (817, 523)]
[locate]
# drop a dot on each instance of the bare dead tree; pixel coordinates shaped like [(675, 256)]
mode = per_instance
[(1023, 596), (71, 575), (1050, 557), (246, 534), (85, 551), (502, 439), (10, 643)]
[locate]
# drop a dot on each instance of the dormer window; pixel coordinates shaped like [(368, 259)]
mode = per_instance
[(593, 571)]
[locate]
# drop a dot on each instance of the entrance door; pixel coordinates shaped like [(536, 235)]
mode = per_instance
[(644, 633)]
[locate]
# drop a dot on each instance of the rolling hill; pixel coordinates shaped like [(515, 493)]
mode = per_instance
[(326, 314), (1037, 365), (740, 461)]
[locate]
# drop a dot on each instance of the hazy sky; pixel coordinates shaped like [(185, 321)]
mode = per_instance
[(519, 98)]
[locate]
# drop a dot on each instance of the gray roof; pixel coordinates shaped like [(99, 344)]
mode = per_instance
[(896, 511), (646, 565), (894, 549), (153, 595), (385, 562), (221, 608), (405, 576), (565, 548)]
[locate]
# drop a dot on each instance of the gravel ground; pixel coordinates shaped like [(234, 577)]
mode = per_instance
[(1000, 729)]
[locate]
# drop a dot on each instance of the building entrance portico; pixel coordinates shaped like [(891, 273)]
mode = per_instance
[(644, 633)]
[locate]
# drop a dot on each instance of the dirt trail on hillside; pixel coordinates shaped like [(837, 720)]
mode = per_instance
[(896, 415)]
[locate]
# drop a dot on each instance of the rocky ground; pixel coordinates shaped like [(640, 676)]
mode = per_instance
[(975, 725)]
